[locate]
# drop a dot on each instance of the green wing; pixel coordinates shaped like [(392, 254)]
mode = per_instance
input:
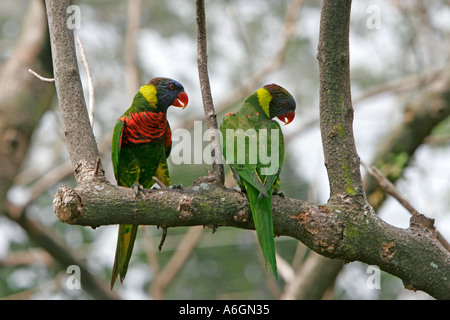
[(251, 177), (115, 146)]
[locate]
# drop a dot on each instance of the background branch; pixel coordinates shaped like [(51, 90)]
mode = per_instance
[(90, 81)]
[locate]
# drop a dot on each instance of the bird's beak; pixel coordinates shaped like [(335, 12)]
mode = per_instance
[(287, 118), (181, 101)]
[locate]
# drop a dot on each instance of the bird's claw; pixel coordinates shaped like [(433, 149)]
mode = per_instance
[(280, 194), (137, 188), (239, 190), (176, 186)]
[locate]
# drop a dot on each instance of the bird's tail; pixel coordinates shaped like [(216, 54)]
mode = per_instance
[(124, 248), (261, 208)]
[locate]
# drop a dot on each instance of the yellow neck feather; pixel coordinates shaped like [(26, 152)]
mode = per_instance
[(149, 93), (264, 98)]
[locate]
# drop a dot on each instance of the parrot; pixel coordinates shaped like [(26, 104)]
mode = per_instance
[(140, 146), (248, 137)]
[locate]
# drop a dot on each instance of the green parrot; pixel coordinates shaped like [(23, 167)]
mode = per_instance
[(140, 146), (253, 146)]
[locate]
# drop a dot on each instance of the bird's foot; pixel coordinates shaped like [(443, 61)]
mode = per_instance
[(176, 186), (239, 190), (279, 193), (137, 188)]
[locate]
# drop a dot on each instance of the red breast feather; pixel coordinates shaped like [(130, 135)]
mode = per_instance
[(144, 127)]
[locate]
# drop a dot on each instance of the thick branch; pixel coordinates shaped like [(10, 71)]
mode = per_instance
[(80, 138), (413, 254), (336, 110)]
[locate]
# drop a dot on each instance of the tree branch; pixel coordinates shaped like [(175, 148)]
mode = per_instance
[(208, 105), (336, 110), (80, 138), (413, 254)]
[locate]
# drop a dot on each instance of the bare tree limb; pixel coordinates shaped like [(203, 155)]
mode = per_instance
[(336, 110), (34, 73), (244, 89), (178, 259), (417, 218), (82, 146), (332, 230), (208, 105)]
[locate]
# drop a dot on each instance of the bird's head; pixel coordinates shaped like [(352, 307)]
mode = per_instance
[(277, 102), (162, 93)]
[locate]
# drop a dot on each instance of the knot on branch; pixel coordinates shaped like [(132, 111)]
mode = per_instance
[(67, 204), (87, 171), (185, 207), (387, 251), (419, 221), (320, 224)]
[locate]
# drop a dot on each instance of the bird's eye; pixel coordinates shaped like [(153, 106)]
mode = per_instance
[(171, 86), (286, 104)]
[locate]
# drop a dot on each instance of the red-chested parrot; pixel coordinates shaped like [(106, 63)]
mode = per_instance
[(254, 149), (140, 146)]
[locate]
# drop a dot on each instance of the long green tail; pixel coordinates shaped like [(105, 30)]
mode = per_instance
[(124, 248), (262, 218)]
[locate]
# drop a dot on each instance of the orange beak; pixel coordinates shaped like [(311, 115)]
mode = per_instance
[(287, 118), (181, 101)]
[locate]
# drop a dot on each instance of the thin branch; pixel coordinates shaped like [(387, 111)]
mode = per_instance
[(90, 82), (249, 85), (178, 259), (208, 105), (418, 218), (41, 77), (389, 187), (159, 183)]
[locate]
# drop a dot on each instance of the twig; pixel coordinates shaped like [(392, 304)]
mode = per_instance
[(418, 218), (249, 85), (163, 237), (208, 105), (177, 260), (159, 183), (389, 187), (41, 77), (90, 82)]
